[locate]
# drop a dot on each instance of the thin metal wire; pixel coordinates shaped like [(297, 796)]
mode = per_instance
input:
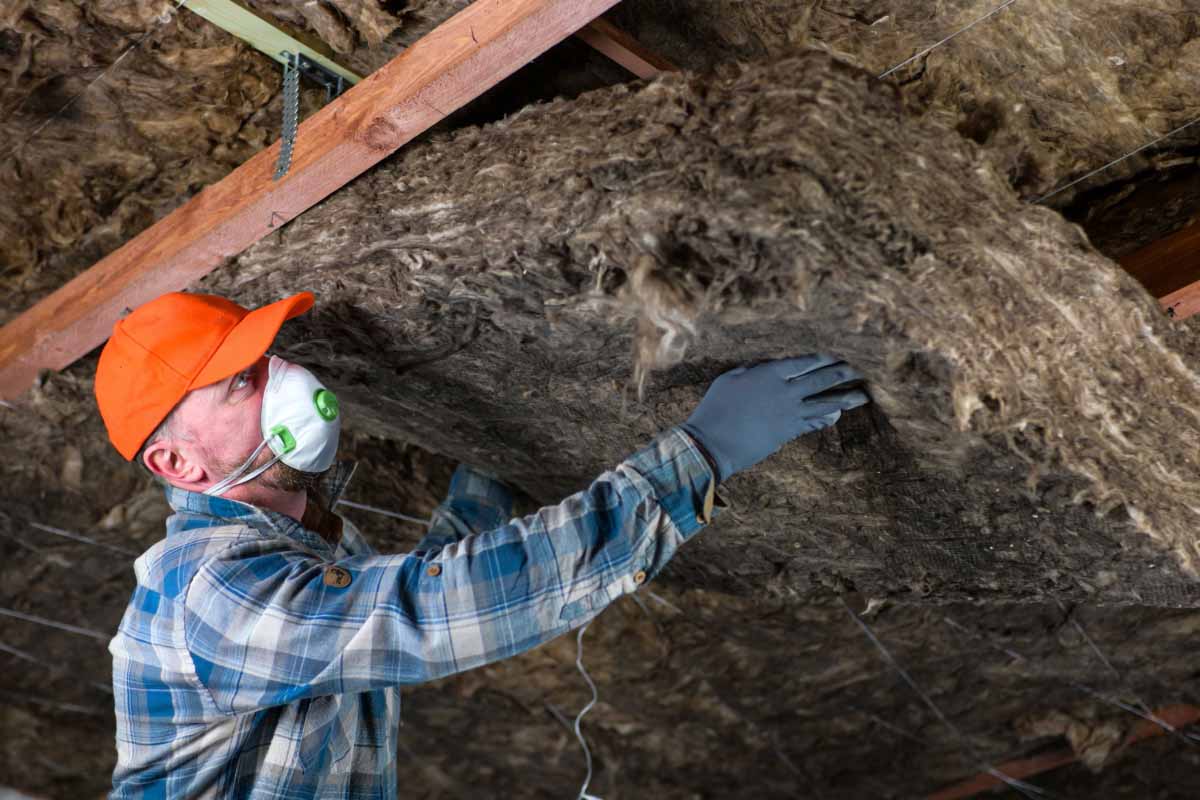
[(1026, 789), (22, 543), (49, 623), (16, 652), (1007, 651), (587, 754), (933, 47), (558, 715), (1116, 161), (664, 602), (1144, 713), (881, 722), (1075, 623), (41, 701), (163, 19), (21, 654), (384, 512), (1149, 714), (78, 537)]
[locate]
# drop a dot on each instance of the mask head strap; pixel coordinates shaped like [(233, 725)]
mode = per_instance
[(235, 478)]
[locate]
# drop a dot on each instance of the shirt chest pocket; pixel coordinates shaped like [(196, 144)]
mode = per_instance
[(326, 735)]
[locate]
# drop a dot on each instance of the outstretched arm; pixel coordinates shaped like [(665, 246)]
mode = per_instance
[(265, 625)]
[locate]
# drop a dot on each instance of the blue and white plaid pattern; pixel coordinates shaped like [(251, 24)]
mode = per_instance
[(240, 672)]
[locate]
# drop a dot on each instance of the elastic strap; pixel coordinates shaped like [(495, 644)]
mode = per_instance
[(232, 479)]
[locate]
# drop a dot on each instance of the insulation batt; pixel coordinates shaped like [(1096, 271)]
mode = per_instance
[(540, 294), (1051, 88)]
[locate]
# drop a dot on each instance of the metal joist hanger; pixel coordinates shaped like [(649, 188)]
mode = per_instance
[(296, 57)]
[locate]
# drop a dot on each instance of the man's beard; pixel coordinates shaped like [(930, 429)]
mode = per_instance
[(278, 476), (289, 479)]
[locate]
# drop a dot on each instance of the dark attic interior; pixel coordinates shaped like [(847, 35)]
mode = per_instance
[(537, 231)]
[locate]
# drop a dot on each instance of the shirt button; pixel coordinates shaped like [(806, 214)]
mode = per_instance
[(639, 577), (337, 577), (434, 570)]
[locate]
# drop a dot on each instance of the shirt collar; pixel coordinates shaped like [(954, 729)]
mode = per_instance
[(319, 513)]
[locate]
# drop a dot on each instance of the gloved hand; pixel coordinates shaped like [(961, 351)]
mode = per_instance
[(748, 414)]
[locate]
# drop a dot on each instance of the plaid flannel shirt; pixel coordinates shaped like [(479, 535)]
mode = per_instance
[(260, 659)]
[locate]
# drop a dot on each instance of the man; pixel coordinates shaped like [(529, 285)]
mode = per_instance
[(262, 650)]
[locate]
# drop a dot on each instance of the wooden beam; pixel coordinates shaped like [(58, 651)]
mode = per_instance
[(624, 49), (1170, 270), (452, 65), (260, 34), (1177, 716), (1018, 769)]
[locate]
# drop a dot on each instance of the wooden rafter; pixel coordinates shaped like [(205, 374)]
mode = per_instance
[(1177, 716), (1170, 270), (624, 49), (455, 63), (260, 33)]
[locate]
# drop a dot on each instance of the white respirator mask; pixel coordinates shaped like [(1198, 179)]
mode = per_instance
[(299, 422)]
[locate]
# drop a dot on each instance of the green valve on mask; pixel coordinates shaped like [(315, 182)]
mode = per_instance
[(285, 437), (326, 403)]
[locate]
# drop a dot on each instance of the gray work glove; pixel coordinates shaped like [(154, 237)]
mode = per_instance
[(748, 414)]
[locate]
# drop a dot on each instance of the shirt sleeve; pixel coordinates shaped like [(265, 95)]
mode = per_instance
[(268, 624), (476, 502)]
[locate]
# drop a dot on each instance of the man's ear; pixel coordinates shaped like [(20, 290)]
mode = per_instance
[(166, 461)]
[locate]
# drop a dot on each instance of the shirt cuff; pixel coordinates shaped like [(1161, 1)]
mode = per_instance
[(684, 483), (479, 498)]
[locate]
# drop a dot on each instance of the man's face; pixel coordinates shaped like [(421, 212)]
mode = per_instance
[(220, 421), (220, 426)]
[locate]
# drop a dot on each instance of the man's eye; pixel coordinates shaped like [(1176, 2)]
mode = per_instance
[(243, 378)]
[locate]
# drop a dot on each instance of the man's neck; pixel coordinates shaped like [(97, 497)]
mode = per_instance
[(291, 503)]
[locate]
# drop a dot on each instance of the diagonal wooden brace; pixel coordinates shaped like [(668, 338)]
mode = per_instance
[(452, 65)]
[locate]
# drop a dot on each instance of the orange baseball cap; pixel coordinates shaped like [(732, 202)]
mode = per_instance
[(173, 344)]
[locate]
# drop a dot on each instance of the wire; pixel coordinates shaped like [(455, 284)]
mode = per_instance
[(384, 512), (1116, 161), (1078, 180), (587, 754), (49, 623), (1026, 789), (1145, 712), (26, 697), (81, 538), (32, 659), (933, 47), (1149, 714), (164, 18), (661, 601)]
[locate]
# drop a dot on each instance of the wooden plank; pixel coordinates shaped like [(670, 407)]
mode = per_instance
[(1170, 270), (1177, 716), (259, 33), (624, 49), (1018, 769), (452, 65), (1182, 303)]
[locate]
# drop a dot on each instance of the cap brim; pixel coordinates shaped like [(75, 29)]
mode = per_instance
[(250, 338)]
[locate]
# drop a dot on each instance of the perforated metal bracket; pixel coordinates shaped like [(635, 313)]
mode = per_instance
[(291, 115), (295, 65)]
